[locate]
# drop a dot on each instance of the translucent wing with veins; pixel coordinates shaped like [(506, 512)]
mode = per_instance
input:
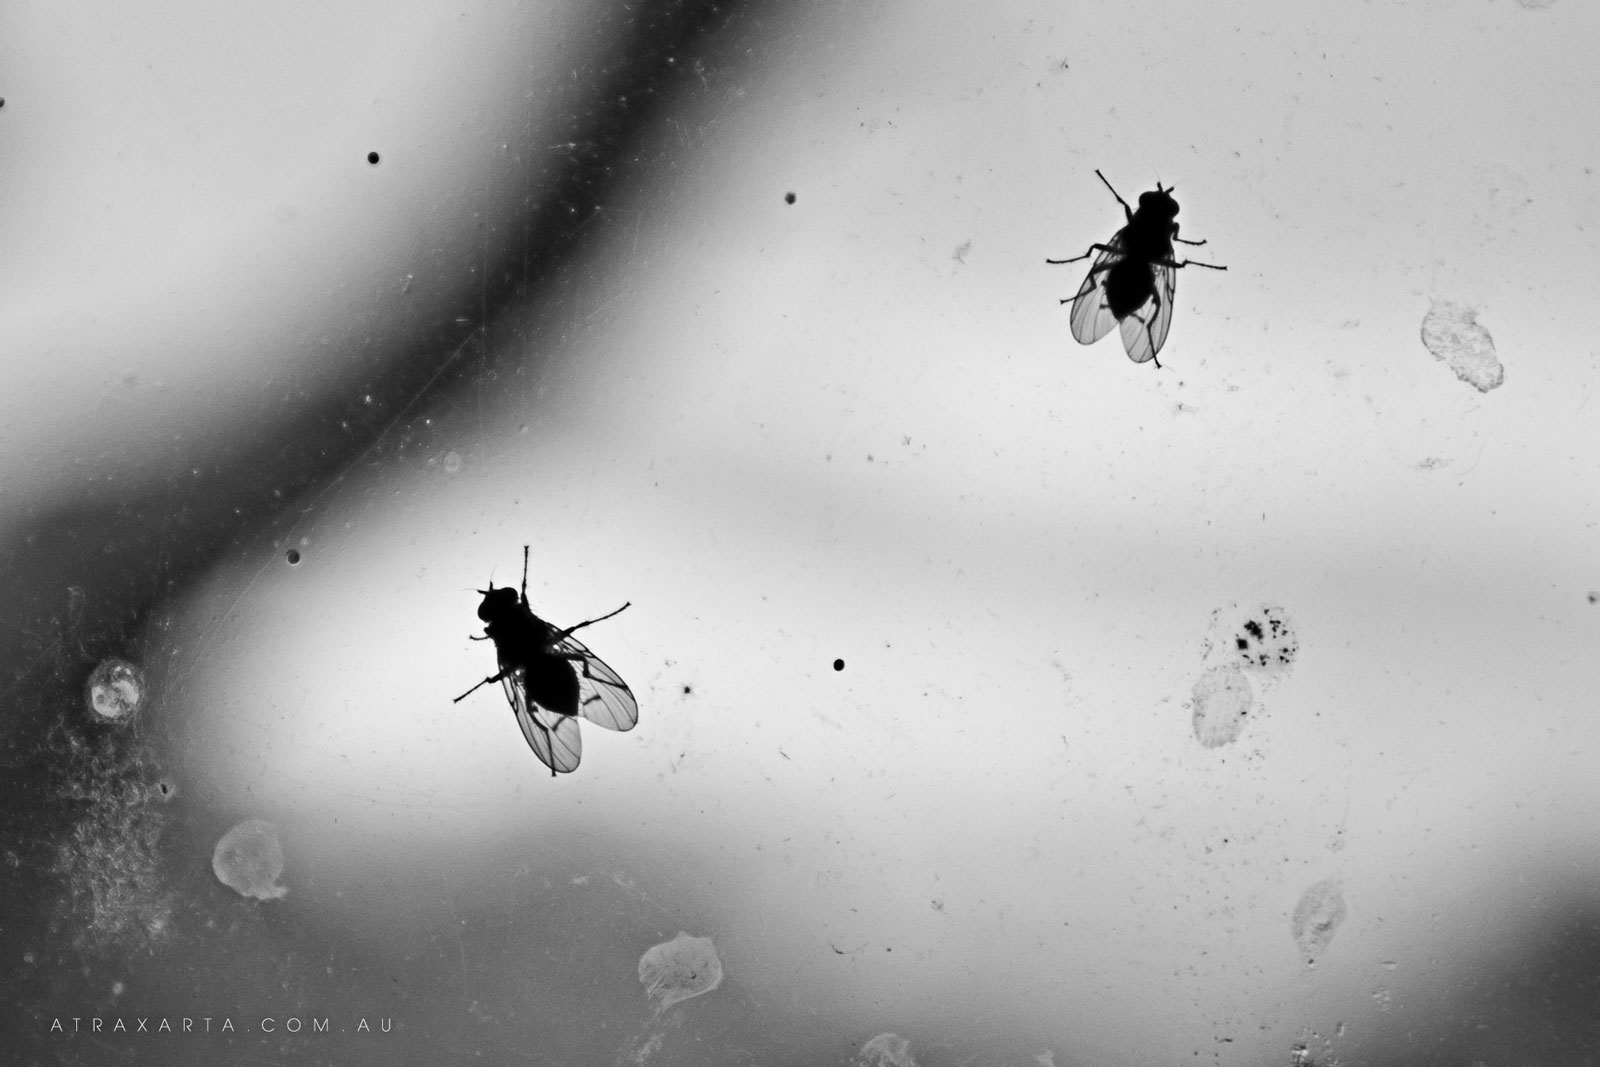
[(603, 697), (553, 737)]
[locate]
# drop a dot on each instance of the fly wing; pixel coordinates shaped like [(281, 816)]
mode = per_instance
[(553, 737), (1091, 311), (1145, 331), (603, 697)]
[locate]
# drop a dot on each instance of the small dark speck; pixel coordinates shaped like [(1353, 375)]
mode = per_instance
[(1594, 598), (788, 198), (2, 101), (293, 556), (688, 689), (838, 664), (1253, 628), (372, 157)]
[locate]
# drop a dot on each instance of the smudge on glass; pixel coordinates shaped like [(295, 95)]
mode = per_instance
[(1222, 699), (249, 860), (115, 691), (1317, 917), (886, 1050), (1451, 332), (679, 969)]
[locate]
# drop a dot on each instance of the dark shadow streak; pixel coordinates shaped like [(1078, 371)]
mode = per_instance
[(81, 583)]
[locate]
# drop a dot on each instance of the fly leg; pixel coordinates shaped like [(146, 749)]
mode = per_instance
[(569, 631), (1150, 338), (580, 660), (1092, 250), (1098, 268), (549, 742), (480, 685), (1126, 210)]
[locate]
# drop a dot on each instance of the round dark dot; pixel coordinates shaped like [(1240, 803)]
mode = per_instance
[(2, 101), (838, 664), (293, 556), (788, 198), (166, 788), (688, 689), (372, 157)]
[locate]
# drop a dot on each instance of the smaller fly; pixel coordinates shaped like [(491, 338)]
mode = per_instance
[(549, 677), (1133, 279)]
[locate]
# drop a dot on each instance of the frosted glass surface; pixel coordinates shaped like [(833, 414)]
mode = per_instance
[(1001, 701)]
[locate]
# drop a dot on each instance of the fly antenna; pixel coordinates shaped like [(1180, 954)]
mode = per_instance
[(524, 574)]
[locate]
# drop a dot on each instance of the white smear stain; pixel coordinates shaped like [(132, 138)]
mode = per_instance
[(679, 969), (1261, 641), (886, 1050), (1451, 332), (1317, 917), (116, 691), (249, 860), (1222, 699)]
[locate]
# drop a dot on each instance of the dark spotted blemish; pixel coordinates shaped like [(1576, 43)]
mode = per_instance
[(1266, 641)]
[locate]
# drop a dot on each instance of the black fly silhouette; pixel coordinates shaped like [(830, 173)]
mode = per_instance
[(1133, 279), (549, 677)]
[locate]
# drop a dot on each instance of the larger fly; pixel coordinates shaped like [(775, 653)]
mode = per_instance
[(549, 677), (1133, 279)]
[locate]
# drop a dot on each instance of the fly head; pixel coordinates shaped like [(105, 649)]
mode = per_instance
[(1158, 204), (497, 603)]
